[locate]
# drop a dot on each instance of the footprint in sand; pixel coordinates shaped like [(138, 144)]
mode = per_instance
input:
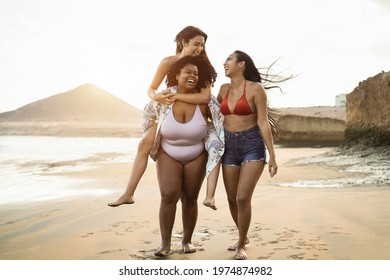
[(117, 224), (149, 254), (223, 230), (297, 256), (88, 234), (109, 251), (336, 230), (288, 240), (129, 229), (266, 257), (204, 234), (137, 257)]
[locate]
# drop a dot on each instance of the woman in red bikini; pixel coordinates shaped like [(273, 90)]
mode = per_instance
[(247, 134)]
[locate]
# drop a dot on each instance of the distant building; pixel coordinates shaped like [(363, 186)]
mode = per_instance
[(341, 100)]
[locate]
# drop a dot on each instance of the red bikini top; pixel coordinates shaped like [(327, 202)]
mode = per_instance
[(242, 107)]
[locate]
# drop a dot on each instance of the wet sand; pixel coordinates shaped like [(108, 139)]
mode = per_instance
[(288, 223)]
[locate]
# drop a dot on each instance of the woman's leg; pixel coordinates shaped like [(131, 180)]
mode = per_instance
[(193, 176), (215, 148), (139, 167), (230, 178), (250, 173), (169, 175), (212, 181)]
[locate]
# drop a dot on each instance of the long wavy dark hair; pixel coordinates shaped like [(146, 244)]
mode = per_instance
[(269, 81), (188, 33), (206, 71)]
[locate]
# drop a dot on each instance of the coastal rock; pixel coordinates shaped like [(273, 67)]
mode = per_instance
[(368, 112), (324, 125)]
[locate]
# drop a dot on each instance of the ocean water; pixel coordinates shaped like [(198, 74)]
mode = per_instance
[(29, 164)]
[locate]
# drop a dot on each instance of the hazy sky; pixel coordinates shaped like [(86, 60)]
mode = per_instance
[(52, 46)]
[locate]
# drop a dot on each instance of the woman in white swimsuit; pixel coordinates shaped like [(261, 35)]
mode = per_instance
[(179, 150), (189, 42)]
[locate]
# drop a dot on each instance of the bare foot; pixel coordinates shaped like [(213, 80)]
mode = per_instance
[(122, 200), (210, 203), (241, 254), (188, 248), (234, 247), (163, 251)]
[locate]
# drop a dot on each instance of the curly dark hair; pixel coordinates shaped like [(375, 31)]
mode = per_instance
[(206, 71)]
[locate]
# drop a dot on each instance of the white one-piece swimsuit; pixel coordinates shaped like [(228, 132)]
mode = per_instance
[(183, 141)]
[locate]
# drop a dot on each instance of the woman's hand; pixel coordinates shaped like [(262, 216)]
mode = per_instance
[(164, 97), (272, 167)]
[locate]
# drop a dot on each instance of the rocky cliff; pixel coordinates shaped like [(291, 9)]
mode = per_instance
[(368, 112), (322, 125)]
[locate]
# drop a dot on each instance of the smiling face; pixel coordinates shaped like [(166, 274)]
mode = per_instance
[(231, 66), (187, 78), (194, 46)]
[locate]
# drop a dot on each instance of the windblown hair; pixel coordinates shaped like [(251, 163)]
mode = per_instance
[(269, 81), (206, 72)]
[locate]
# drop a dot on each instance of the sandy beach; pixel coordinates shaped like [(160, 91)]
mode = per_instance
[(288, 223)]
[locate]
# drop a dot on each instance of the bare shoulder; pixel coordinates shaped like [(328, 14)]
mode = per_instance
[(223, 89), (222, 92), (168, 61), (255, 89), (255, 86)]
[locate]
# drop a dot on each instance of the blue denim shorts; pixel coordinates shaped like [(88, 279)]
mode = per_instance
[(244, 146)]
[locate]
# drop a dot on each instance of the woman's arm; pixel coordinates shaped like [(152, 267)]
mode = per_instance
[(202, 97), (222, 92), (161, 72), (260, 100)]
